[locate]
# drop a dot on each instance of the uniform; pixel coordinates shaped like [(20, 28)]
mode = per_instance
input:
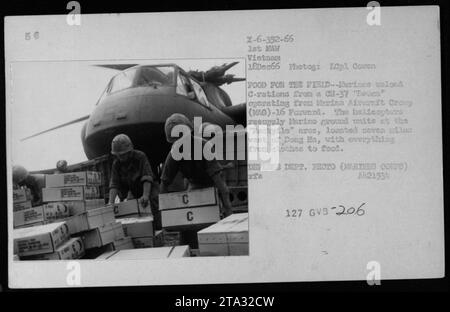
[(199, 173), (32, 183), (130, 176)]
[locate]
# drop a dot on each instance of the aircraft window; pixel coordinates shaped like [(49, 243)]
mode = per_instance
[(183, 86), (155, 76), (201, 96), (122, 81)]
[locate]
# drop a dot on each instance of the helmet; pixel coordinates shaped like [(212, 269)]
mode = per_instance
[(121, 144), (172, 121), (19, 174), (61, 165)]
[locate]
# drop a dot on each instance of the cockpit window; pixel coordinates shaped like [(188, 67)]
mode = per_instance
[(183, 86), (122, 81), (201, 96), (141, 77), (155, 76)]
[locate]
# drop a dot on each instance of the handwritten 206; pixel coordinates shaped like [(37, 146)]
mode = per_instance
[(339, 210)]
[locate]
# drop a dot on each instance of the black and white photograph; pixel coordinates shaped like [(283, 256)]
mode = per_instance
[(224, 147), (109, 181)]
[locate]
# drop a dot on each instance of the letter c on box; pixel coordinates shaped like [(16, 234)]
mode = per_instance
[(185, 199), (190, 216)]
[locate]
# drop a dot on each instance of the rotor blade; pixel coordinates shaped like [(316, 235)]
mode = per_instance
[(226, 79), (216, 75), (116, 66), (218, 71), (227, 67), (57, 127)]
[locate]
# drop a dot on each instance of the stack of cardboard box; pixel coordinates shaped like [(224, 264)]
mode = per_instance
[(34, 238), (25, 215), (40, 215), (47, 242), (108, 235), (74, 223), (21, 199), (72, 198), (187, 210), (90, 219), (137, 222), (228, 237), (74, 186)]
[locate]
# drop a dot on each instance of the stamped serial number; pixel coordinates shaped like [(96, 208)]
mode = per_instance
[(339, 210), (270, 38)]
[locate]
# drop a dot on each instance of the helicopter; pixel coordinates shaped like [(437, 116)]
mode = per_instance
[(138, 100)]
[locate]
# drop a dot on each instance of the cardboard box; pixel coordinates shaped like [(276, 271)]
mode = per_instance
[(131, 207), (77, 224), (213, 250), (239, 198), (72, 249), (21, 195), (33, 224), (147, 253), (40, 239), (84, 178), (102, 235), (144, 242), (28, 217), (123, 243), (22, 206), (90, 220), (189, 218), (54, 211), (81, 206), (150, 241), (137, 226), (100, 216), (171, 238), (190, 209), (195, 198), (70, 193), (228, 237), (44, 213)]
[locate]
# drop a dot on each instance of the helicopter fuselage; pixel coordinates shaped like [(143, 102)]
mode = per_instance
[(140, 111)]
